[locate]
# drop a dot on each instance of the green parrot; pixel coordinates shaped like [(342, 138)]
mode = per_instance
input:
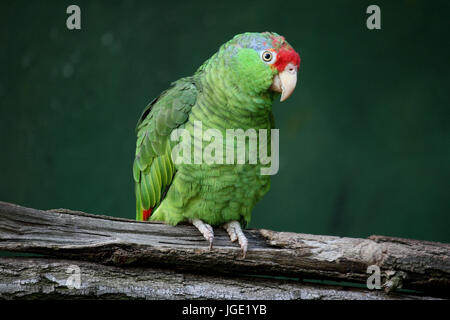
[(234, 89)]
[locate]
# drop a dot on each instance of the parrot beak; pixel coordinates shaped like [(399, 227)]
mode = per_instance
[(285, 81)]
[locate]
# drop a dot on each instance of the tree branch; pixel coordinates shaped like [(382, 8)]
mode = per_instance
[(417, 265), (37, 278)]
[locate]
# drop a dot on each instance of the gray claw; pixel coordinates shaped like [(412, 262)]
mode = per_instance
[(235, 232), (206, 230)]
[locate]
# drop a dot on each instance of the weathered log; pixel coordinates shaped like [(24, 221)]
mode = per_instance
[(38, 278), (417, 265)]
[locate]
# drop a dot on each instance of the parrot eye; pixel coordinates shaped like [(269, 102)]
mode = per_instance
[(268, 56)]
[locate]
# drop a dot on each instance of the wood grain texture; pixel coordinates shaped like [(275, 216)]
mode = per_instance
[(43, 278), (418, 265)]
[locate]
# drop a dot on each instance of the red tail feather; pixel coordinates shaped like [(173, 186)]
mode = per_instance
[(146, 214)]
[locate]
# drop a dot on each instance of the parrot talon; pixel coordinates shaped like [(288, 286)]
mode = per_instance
[(206, 230), (235, 232)]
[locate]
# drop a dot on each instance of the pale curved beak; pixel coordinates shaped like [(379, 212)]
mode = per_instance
[(285, 81)]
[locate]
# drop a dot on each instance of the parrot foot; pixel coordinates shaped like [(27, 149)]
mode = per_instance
[(235, 232), (205, 229)]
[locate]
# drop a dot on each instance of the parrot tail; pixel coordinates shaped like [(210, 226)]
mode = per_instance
[(146, 214)]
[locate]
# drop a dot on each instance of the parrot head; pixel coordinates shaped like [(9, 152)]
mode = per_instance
[(262, 62)]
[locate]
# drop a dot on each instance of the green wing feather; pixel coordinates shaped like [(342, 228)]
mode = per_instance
[(153, 168)]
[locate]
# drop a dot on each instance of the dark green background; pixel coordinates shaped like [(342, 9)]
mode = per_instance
[(364, 140)]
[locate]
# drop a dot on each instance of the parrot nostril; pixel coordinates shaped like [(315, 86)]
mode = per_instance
[(291, 69)]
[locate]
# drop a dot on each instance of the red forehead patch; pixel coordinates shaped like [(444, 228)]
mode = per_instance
[(286, 56)]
